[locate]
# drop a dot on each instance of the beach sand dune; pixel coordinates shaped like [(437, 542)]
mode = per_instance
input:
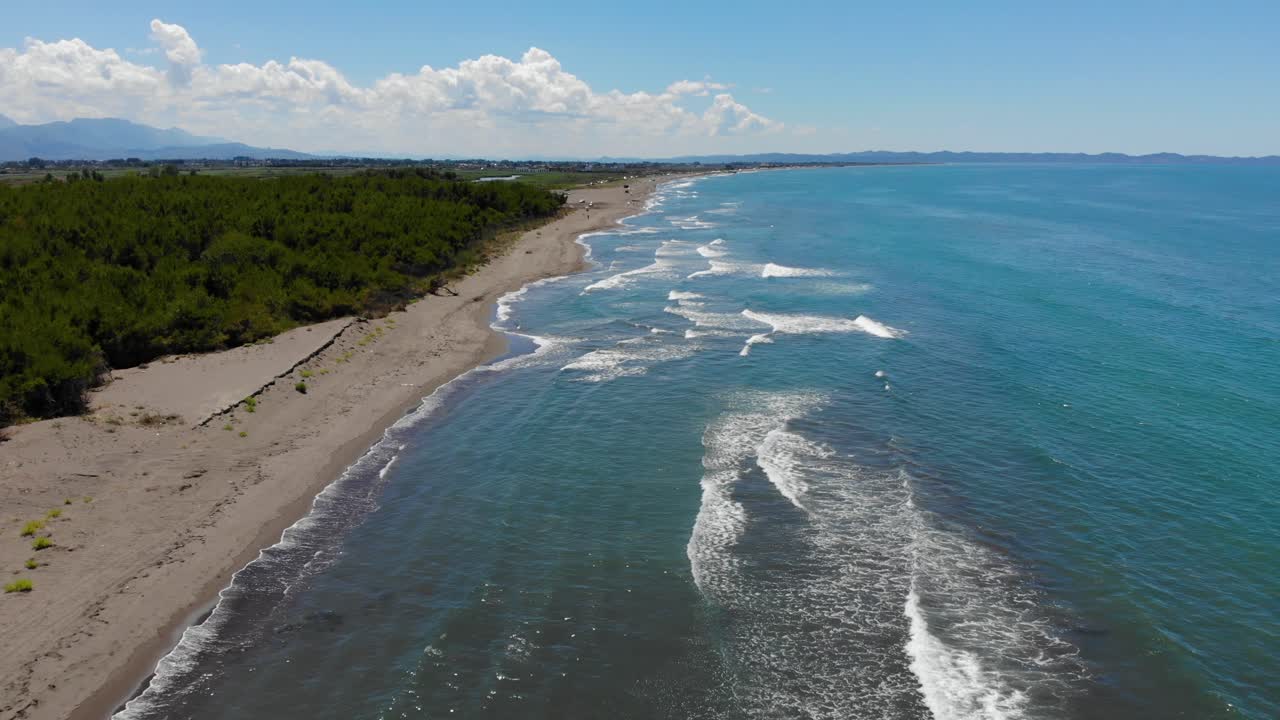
[(158, 510)]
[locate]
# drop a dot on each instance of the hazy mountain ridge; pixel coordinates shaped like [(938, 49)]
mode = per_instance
[(109, 138)]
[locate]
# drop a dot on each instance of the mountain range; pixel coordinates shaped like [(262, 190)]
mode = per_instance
[(108, 138)]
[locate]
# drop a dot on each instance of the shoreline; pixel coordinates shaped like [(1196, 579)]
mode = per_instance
[(129, 574)]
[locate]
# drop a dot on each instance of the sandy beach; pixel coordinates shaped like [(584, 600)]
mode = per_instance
[(172, 483)]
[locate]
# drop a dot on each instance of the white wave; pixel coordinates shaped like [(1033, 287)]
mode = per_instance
[(712, 250), (543, 347), (772, 270), (754, 340), (503, 305), (630, 357), (975, 644), (780, 455), (671, 248), (704, 319), (881, 373), (727, 443), (625, 278), (952, 681), (806, 324), (969, 644), (693, 222), (873, 327), (631, 248), (719, 267), (681, 295)]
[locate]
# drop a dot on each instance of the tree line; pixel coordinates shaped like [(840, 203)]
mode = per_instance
[(111, 274)]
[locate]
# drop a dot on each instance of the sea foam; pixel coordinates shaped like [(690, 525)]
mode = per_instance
[(773, 270), (807, 324)]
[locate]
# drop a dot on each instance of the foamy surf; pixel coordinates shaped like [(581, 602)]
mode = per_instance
[(628, 358), (752, 341), (728, 443), (773, 270), (812, 324), (719, 267), (623, 279), (859, 552)]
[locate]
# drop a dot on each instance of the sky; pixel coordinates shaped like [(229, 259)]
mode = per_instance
[(655, 79)]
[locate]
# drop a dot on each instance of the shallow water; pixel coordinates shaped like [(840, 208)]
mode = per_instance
[(948, 441)]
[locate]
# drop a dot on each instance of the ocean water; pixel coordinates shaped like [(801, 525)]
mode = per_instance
[(882, 442)]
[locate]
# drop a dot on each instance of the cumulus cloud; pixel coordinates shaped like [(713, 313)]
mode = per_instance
[(488, 105)]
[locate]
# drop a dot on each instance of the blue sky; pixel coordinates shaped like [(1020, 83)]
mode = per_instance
[(800, 76)]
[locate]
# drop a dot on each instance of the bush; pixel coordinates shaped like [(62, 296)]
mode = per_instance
[(244, 434), (31, 527), (23, 585), (31, 564), (52, 514), (251, 404), (95, 275), (301, 387), (41, 543)]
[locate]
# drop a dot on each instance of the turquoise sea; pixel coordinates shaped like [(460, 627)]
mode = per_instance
[(878, 442)]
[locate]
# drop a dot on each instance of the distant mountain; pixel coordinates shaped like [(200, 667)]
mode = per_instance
[(947, 156), (108, 138)]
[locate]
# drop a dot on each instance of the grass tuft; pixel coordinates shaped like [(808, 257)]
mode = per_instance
[(228, 427), (31, 564), (23, 585), (306, 373), (251, 404), (301, 387), (41, 543), (31, 527), (66, 501), (52, 514), (244, 434)]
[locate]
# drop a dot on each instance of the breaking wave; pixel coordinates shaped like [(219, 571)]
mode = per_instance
[(773, 270), (823, 565)]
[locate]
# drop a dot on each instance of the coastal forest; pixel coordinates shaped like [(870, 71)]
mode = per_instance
[(98, 274)]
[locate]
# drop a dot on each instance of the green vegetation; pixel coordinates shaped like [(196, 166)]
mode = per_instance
[(23, 585), (41, 543), (31, 527), (52, 514), (306, 373), (228, 427), (116, 273), (31, 564), (301, 387), (244, 434), (251, 404)]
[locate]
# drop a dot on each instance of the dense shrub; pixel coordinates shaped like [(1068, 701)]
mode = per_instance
[(113, 274)]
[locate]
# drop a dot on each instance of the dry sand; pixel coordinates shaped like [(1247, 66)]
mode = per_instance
[(158, 510)]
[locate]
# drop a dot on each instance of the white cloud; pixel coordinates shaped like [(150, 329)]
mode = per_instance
[(490, 105), (695, 87)]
